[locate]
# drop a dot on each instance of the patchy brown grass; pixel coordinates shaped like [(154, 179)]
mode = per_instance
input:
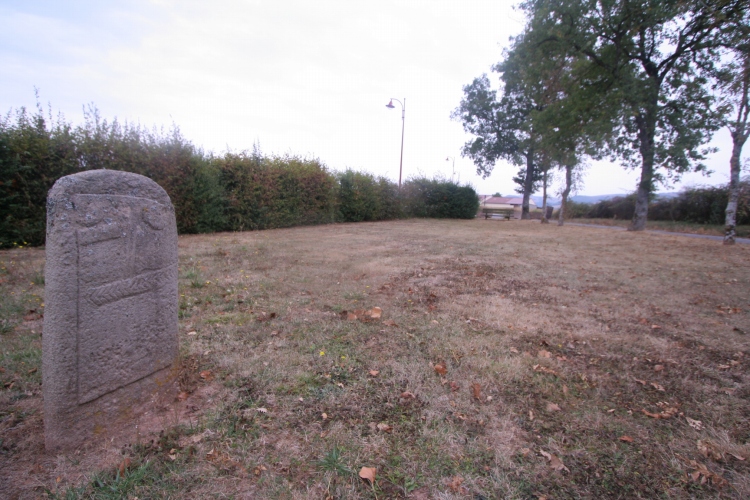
[(578, 363), (742, 231)]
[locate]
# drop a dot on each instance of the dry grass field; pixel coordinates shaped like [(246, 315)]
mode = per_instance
[(510, 360), (672, 226)]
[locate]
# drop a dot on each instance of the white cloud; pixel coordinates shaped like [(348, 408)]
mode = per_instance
[(309, 78)]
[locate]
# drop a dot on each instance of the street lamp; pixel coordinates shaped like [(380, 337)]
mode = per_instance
[(454, 165), (403, 119)]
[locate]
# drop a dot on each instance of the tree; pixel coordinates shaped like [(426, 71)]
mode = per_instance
[(571, 119), (734, 83), (649, 57), (502, 130)]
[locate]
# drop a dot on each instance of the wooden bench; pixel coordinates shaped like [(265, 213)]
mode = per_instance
[(505, 213)]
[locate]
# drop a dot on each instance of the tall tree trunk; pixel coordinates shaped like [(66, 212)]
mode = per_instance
[(738, 140), (565, 193), (740, 132), (528, 183), (646, 132), (544, 198)]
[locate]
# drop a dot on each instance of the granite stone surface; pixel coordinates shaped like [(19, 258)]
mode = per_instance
[(109, 344)]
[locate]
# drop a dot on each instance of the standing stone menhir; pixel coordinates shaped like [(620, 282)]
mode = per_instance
[(109, 345)]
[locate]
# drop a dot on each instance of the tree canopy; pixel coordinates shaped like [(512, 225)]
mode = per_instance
[(627, 79)]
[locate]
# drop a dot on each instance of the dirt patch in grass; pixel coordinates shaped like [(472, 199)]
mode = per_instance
[(511, 360)]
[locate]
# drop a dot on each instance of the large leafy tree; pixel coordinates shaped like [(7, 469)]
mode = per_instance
[(571, 118), (650, 58), (502, 130)]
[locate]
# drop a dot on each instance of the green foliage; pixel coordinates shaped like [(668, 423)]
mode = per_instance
[(34, 153), (359, 197), (650, 63), (705, 205), (278, 191), (439, 199), (333, 461), (619, 207), (701, 205), (234, 192)]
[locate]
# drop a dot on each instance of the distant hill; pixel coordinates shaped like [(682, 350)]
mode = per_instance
[(580, 198)]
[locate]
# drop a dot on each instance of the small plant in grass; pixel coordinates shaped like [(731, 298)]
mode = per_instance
[(38, 277), (10, 309), (6, 326), (353, 296), (333, 462)]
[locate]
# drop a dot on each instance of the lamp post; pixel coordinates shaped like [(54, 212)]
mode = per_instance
[(403, 119), (454, 166)]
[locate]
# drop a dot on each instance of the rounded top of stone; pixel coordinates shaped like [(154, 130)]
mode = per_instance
[(114, 182)]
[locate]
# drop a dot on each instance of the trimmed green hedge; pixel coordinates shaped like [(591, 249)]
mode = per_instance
[(233, 192), (701, 205)]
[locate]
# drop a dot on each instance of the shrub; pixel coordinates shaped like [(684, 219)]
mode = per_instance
[(358, 198), (439, 198), (267, 192)]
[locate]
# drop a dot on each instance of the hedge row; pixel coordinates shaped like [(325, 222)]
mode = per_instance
[(233, 192), (703, 205)]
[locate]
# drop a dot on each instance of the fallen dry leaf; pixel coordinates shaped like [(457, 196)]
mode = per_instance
[(626, 439), (454, 386), (709, 450), (668, 412), (124, 465), (374, 373), (701, 473), (182, 396), (554, 462), (207, 375), (553, 407), (368, 474), (544, 354), (544, 369), (695, 424), (440, 369), (738, 457), (407, 395), (658, 368), (383, 427), (524, 452), (658, 387), (455, 484), (514, 350), (389, 322), (476, 391), (375, 312)]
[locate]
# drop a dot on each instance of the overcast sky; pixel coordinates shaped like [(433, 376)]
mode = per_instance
[(304, 77)]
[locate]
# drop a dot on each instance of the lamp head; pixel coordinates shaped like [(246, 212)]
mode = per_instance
[(390, 104)]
